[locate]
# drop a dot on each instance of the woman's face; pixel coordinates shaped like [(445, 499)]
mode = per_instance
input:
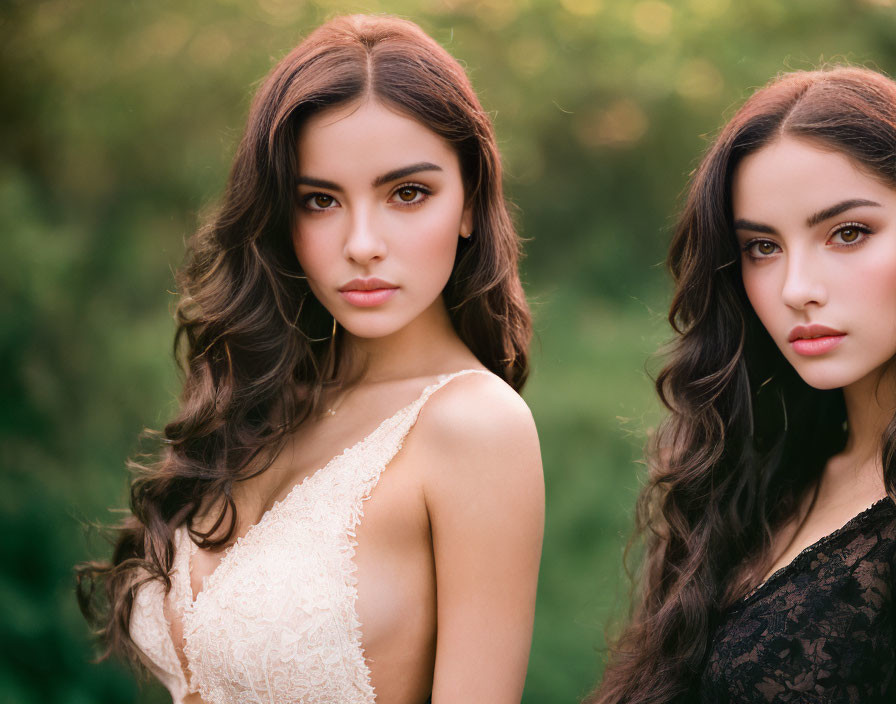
[(381, 205), (818, 241)]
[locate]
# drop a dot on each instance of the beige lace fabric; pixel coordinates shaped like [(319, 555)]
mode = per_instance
[(276, 621)]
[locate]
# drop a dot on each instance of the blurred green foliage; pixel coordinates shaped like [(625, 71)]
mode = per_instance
[(119, 119)]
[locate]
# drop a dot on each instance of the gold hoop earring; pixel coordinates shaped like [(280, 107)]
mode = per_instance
[(295, 323), (332, 353)]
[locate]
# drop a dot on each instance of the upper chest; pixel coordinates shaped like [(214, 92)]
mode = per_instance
[(345, 539), (824, 624), (855, 559), (281, 611), (820, 520), (326, 462), (288, 598)]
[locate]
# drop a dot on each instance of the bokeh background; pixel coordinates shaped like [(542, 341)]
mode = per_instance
[(119, 119)]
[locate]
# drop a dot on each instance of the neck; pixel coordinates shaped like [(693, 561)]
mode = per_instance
[(870, 406), (426, 346)]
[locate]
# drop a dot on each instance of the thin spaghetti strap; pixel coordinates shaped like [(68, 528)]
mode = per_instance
[(443, 380), (396, 430), (315, 524)]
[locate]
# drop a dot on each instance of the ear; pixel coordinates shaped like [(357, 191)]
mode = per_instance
[(466, 222)]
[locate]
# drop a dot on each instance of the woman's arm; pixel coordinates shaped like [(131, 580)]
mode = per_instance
[(484, 492)]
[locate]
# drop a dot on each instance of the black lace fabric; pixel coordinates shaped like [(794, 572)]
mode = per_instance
[(821, 629)]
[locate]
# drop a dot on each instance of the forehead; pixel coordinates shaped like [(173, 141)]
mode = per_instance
[(367, 138), (795, 176)]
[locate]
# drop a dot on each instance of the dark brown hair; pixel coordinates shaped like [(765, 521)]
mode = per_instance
[(251, 340), (745, 437)]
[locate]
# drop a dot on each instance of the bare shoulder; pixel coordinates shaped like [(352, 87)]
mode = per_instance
[(476, 429), (477, 408), (484, 495)]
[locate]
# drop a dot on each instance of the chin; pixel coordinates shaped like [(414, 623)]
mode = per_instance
[(826, 378), (371, 328)]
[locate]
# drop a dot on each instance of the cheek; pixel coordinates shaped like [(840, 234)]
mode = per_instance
[(429, 245), (872, 296), (311, 249), (876, 284), (435, 249), (426, 266), (761, 293)]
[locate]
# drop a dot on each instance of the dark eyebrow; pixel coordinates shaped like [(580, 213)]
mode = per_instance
[(404, 171), (823, 215), (393, 175), (317, 183), (742, 224), (812, 221)]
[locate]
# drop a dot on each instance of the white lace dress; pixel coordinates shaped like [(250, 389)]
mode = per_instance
[(275, 623)]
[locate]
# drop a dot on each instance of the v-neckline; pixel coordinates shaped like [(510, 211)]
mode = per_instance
[(798, 558), (208, 580), (186, 603), (191, 600)]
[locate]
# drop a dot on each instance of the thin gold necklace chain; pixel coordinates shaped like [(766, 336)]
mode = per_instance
[(338, 403)]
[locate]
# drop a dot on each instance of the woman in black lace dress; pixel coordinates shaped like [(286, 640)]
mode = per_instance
[(769, 516)]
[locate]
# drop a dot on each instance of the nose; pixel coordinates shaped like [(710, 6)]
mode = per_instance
[(804, 282), (364, 243)]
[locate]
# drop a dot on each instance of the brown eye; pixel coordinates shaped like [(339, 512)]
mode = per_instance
[(849, 235), (408, 194), (760, 249), (322, 201), (765, 248)]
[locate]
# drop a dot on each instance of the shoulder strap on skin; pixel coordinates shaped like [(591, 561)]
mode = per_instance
[(444, 379), (390, 436)]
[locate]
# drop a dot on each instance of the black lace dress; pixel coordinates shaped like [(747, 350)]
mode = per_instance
[(821, 629)]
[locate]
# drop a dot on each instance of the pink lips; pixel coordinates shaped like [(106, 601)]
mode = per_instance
[(813, 340), (366, 293)]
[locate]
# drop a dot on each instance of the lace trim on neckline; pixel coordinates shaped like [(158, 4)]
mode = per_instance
[(363, 463), (800, 557), (208, 580)]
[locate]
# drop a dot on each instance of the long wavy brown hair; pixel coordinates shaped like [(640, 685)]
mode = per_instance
[(252, 341), (745, 438)]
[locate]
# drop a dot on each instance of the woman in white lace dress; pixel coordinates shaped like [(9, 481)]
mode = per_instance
[(348, 506)]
